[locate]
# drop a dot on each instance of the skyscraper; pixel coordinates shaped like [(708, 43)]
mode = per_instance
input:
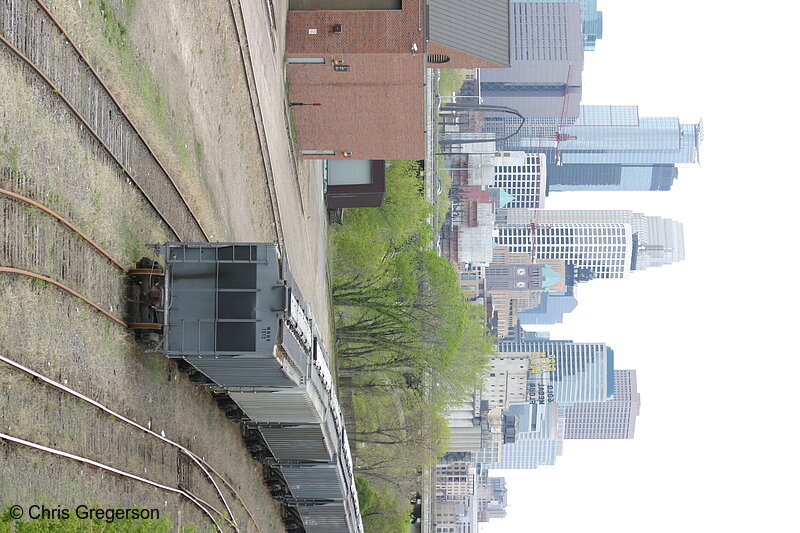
[(560, 373), (547, 47), (454, 480), (551, 309), (605, 147), (592, 24), (608, 134), (604, 248), (492, 496), (540, 438), (507, 380), (576, 371), (592, 21), (522, 177), (611, 177), (514, 282), (617, 135), (609, 243), (611, 419)]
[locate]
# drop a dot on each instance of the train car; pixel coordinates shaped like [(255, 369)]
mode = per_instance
[(318, 473), (233, 316)]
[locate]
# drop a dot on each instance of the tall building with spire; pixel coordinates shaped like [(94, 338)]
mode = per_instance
[(618, 135), (605, 148), (514, 284), (604, 248), (611, 419)]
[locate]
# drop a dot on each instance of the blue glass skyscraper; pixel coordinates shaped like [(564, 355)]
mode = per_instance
[(581, 371), (648, 141), (606, 148), (539, 439), (551, 309)]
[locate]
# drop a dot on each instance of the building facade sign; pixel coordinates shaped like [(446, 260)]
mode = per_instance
[(542, 363), (542, 393)]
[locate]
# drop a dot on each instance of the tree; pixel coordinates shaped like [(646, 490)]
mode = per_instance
[(382, 510), (408, 344)]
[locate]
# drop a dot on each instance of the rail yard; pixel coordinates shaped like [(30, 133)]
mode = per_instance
[(123, 125)]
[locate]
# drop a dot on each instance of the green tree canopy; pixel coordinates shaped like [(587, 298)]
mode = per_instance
[(408, 344)]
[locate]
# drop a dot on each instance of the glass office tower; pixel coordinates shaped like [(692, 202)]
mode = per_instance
[(611, 419), (532, 447), (580, 371), (609, 243), (592, 20), (654, 140), (605, 147)]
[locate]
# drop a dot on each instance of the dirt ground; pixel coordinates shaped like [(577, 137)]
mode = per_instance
[(177, 69)]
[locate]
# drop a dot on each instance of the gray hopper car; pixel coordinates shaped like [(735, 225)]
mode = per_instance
[(235, 319)]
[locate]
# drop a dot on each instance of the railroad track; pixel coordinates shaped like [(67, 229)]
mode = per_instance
[(37, 240), (29, 32), (202, 505), (15, 212), (186, 462)]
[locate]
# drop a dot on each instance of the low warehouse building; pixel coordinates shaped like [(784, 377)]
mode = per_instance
[(363, 62)]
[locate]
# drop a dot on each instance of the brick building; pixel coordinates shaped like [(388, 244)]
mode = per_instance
[(364, 62)]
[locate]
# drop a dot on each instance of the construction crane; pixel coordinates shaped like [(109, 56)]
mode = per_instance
[(558, 136)]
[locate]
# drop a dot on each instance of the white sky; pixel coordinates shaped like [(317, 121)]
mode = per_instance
[(712, 337)]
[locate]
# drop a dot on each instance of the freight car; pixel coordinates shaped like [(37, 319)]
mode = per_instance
[(233, 317)]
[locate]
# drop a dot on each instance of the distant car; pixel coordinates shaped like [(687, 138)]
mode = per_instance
[(438, 185)]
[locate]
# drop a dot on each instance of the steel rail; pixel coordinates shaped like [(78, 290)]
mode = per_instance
[(124, 170), (124, 419), (107, 468), (65, 222), (200, 462), (55, 89), (122, 112), (122, 323), (88, 128), (64, 288)]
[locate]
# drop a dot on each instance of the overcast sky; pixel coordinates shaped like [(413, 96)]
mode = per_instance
[(712, 337)]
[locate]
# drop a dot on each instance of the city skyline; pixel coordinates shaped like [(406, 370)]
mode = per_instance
[(618, 150), (683, 317)]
